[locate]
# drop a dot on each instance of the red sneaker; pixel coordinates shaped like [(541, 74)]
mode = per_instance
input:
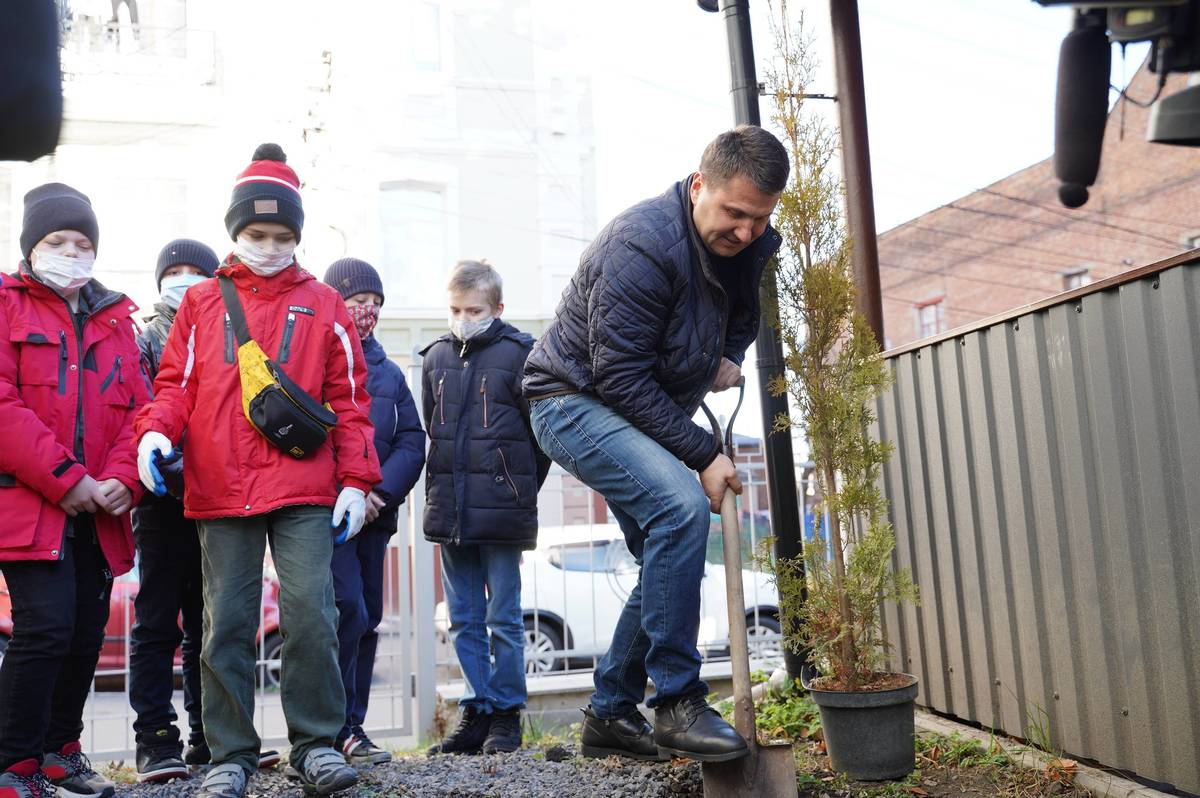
[(70, 770)]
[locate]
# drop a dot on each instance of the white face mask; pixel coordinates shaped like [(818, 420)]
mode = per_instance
[(263, 262), (175, 286), (60, 272), (465, 330)]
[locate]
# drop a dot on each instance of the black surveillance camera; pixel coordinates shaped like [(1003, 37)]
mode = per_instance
[(709, 5)]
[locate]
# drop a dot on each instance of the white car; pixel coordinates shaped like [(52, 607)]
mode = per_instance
[(575, 583)]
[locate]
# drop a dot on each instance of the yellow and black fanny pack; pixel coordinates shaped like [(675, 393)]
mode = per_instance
[(282, 412)]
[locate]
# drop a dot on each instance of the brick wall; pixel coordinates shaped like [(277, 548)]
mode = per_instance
[(1013, 243)]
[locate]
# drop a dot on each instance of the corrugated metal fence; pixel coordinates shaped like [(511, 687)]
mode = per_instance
[(1045, 492)]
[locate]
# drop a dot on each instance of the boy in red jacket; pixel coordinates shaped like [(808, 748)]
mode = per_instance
[(69, 388), (244, 492)]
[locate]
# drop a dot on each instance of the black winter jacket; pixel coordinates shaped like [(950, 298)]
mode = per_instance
[(484, 469), (645, 322), (399, 439)]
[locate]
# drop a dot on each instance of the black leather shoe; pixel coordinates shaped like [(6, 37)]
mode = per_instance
[(631, 736), (468, 738), (690, 728)]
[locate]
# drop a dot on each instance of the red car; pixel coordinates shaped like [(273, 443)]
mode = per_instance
[(113, 654)]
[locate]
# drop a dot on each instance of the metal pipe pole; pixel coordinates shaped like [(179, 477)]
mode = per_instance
[(777, 446), (856, 161)]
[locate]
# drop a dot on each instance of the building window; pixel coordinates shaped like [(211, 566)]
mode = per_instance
[(1076, 278), (413, 243), (1191, 240), (931, 317)]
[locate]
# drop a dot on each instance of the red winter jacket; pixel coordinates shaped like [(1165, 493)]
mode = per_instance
[(61, 394), (229, 469)]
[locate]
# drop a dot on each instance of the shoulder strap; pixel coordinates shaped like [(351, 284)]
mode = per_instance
[(233, 306)]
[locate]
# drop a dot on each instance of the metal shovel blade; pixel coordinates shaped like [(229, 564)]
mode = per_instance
[(769, 771)]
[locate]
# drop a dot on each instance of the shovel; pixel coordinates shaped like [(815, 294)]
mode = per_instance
[(769, 771)]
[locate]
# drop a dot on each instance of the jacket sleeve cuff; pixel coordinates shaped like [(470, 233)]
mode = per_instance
[(354, 482), (68, 478), (706, 460)]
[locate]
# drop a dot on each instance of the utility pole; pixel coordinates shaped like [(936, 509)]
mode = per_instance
[(856, 162), (777, 446)]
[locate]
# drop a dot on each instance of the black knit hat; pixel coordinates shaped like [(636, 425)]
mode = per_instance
[(189, 252), (56, 206), (266, 191), (352, 276)]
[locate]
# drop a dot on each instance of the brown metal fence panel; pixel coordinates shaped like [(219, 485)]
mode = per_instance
[(1045, 492)]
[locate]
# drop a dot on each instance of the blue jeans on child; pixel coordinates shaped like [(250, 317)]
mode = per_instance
[(466, 572), (665, 516)]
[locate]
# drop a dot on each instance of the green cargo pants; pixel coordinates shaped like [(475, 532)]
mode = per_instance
[(314, 703)]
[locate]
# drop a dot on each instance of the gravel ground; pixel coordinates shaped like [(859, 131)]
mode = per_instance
[(529, 773)]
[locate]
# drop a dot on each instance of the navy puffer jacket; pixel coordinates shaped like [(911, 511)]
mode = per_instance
[(399, 439), (645, 322), (484, 469)]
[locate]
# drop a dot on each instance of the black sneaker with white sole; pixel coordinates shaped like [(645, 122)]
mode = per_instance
[(158, 763)]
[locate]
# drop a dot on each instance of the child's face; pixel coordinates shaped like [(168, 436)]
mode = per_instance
[(472, 305)]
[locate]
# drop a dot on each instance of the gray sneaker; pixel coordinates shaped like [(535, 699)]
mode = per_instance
[(223, 781), (71, 773), (324, 771)]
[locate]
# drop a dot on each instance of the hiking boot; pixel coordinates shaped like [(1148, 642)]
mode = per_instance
[(504, 732), (468, 738), (197, 752), (25, 780), (268, 759), (359, 749), (630, 736), (160, 757), (690, 728), (70, 769), (223, 781), (324, 771)]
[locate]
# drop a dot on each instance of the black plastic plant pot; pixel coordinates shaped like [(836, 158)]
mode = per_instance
[(869, 735)]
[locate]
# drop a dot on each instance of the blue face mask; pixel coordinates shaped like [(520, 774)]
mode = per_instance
[(175, 286)]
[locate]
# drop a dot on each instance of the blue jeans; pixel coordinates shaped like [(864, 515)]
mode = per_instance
[(358, 590), (664, 515), (466, 572)]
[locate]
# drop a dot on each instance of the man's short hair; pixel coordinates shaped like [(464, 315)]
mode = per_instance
[(747, 150), (477, 275)]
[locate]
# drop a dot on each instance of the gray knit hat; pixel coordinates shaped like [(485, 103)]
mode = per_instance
[(56, 206)]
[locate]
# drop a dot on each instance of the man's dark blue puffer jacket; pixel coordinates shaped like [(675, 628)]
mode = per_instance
[(484, 468), (645, 322)]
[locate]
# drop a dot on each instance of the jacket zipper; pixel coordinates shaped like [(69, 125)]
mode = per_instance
[(116, 372), (441, 404), (511, 483), (483, 393), (228, 339), (62, 361), (285, 348)]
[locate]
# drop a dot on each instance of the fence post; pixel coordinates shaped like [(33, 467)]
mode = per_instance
[(423, 604)]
